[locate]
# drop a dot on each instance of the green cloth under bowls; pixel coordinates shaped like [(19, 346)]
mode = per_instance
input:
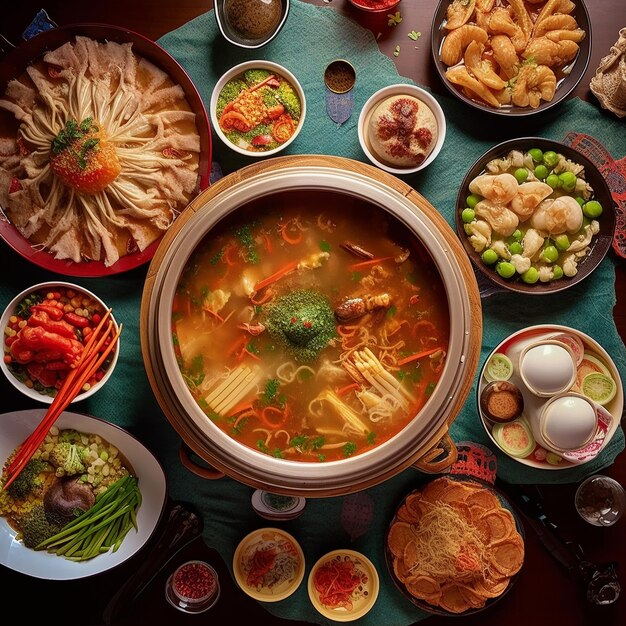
[(312, 37)]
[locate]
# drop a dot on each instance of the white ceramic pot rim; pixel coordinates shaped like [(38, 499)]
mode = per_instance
[(244, 460)]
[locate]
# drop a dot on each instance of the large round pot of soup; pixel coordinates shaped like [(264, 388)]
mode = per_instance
[(311, 326)]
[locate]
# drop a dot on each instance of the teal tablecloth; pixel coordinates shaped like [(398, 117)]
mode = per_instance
[(312, 37)]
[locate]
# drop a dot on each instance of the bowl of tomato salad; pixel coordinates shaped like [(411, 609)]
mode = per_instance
[(45, 330), (257, 108)]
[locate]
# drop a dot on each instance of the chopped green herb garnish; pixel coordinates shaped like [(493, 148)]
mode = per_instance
[(371, 437), (277, 454), (251, 347), (429, 389), (321, 458), (175, 340), (23, 307), (349, 448), (305, 375), (260, 444), (217, 257), (394, 18), (411, 278), (270, 392), (355, 277), (317, 442), (238, 424), (393, 309), (299, 441), (325, 246), (400, 375)]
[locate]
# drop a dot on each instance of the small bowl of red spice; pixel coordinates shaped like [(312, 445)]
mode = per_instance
[(402, 129), (193, 587), (45, 331), (375, 6)]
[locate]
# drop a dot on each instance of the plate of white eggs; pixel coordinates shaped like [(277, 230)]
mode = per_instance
[(550, 397)]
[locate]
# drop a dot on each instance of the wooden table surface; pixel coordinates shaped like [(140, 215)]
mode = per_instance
[(544, 593)]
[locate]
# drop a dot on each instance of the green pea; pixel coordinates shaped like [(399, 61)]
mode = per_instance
[(592, 209), (553, 181), (468, 215), (505, 269), (517, 235), (557, 272), (521, 174), (541, 172), (562, 242), (550, 158), (567, 181), (489, 256), (550, 254), (531, 275), (580, 200), (516, 248), (472, 200), (536, 154)]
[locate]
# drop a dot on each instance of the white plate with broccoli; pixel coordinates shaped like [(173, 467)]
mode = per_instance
[(89, 498)]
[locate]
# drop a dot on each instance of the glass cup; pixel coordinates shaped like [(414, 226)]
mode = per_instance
[(193, 587), (600, 500)]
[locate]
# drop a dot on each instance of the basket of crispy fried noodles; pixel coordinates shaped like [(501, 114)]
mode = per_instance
[(454, 547)]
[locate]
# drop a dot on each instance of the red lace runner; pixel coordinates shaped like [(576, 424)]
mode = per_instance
[(614, 173)]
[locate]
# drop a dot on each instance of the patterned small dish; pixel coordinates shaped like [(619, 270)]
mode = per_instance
[(354, 598), (268, 564)]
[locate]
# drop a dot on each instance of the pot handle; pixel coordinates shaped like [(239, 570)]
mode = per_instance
[(439, 458), (210, 473)]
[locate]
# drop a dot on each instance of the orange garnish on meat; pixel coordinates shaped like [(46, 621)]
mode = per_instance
[(83, 158)]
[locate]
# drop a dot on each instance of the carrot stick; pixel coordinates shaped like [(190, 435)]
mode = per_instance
[(236, 345), (382, 259), (91, 360), (347, 389), (244, 406), (276, 411), (418, 355), (290, 240), (267, 295), (69, 390), (263, 82), (213, 313), (276, 275), (268, 243), (243, 353)]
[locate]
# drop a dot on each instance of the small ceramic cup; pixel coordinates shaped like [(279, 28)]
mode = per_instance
[(567, 422), (547, 367)]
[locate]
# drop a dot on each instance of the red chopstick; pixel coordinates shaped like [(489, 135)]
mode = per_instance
[(90, 361)]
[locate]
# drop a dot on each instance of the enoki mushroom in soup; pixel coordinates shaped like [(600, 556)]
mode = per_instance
[(102, 154), (309, 343)]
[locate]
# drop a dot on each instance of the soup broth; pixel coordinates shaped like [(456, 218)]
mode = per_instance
[(310, 327)]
